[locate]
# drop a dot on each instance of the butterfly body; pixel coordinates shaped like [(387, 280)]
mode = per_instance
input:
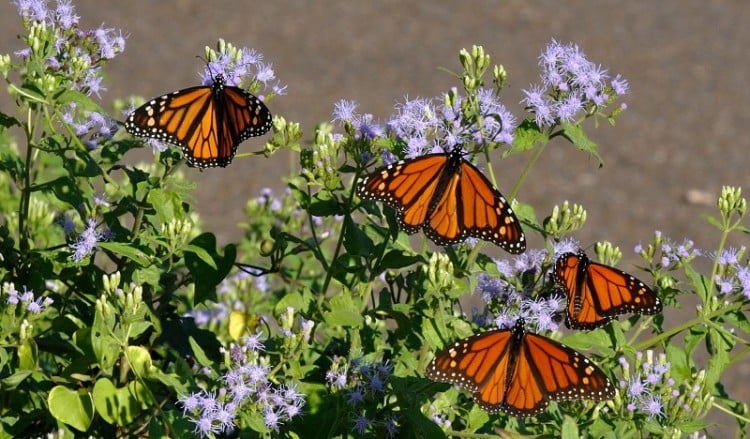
[(518, 372), (448, 198), (208, 122), (598, 293)]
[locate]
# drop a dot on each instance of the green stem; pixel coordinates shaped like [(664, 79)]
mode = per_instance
[(23, 208), (339, 244), (700, 320)]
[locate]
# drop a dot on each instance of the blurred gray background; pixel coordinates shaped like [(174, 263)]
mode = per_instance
[(679, 141)]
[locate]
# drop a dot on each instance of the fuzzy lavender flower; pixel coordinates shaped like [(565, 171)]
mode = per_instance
[(569, 84), (86, 242), (247, 386)]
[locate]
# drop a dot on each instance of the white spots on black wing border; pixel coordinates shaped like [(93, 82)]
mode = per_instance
[(585, 368)]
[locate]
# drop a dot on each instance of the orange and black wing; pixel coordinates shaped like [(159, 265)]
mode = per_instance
[(408, 186), (448, 198), (518, 373), (598, 293), (549, 370), (207, 122), (483, 212), (479, 364)]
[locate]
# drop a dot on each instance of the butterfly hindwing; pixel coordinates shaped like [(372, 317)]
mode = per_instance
[(207, 122), (598, 293), (518, 373)]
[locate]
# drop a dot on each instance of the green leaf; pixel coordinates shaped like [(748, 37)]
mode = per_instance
[(526, 214), (323, 205), (198, 353), (569, 428), (166, 204), (73, 408), (28, 354), (11, 382), (8, 121), (105, 347), (356, 242), (525, 138), (126, 250), (578, 137), (477, 418), (202, 254), (138, 328), (692, 426), (207, 267), (343, 312), (140, 360), (293, 299), (597, 339), (120, 406), (397, 259)]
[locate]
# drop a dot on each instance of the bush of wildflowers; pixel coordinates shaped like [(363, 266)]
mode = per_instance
[(119, 316)]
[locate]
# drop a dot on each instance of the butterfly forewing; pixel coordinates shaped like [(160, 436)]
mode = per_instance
[(472, 361), (401, 186), (207, 122)]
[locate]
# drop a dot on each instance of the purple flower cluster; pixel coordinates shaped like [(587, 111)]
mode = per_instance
[(242, 65), (648, 388), (645, 385), (364, 125), (440, 125), (87, 241), (34, 305), (570, 84), (89, 48), (434, 125), (93, 128), (246, 387), (364, 385), (508, 295), (733, 277), (73, 59)]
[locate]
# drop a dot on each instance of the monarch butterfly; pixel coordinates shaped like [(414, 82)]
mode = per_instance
[(518, 372), (447, 197), (207, 121), (597, 293)]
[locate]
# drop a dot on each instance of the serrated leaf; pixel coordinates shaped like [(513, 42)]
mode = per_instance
[(343, 317), (8, 121), (343, 312), (293, 299), (526, 136), (578, 137), (597, 339)]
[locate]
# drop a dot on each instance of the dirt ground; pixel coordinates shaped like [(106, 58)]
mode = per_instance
[(678, 142)]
